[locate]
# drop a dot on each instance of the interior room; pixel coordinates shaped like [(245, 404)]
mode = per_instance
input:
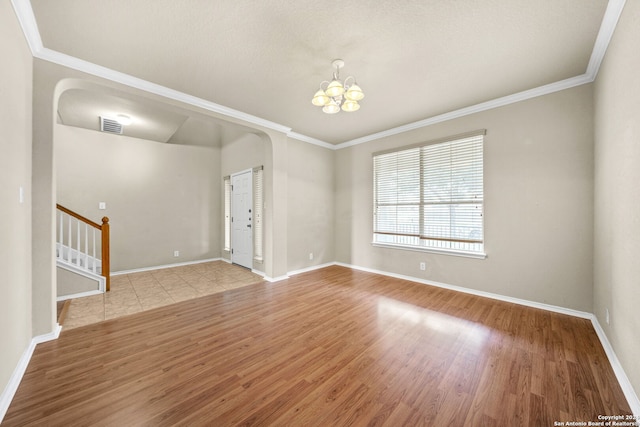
[(174, 121)]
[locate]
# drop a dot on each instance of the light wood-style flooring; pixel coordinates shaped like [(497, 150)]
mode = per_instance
[(332, 347)]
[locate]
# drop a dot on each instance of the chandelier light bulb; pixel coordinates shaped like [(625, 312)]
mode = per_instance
[(354, 93), (331, 108), (350, 105), (320, 99), (335, 88)]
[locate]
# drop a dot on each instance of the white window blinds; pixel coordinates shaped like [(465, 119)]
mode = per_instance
[(258, 205), (431, 196)]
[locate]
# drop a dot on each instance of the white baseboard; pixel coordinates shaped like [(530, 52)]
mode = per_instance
[(621, 376), (21, 367), (625, 384), (272, 279), (14, 381), (160, 267), (264, 275), (534, 304), (79, 295), (312, 268), (294, 272)]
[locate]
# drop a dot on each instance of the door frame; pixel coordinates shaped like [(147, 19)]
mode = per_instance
[(231, 178)]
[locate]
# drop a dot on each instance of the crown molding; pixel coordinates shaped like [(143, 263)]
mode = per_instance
[(607, 28), (310, 140), (477, 108), (137, 83), (29, 26), (28, 23)]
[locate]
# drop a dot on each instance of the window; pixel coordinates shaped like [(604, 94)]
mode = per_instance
[(258, 205), (257, 217), (430, 197), (227, 213)]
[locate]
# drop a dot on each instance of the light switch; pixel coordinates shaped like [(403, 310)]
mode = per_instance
[(102, 205)]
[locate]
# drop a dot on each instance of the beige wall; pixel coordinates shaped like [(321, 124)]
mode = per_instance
[(43, 201), (617, 192), (160, 197), (242, 152), (538, 160), (308, 179), (311, 210), (15, 172)]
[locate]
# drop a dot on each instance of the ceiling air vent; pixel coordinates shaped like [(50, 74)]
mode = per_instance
[(110, 125)]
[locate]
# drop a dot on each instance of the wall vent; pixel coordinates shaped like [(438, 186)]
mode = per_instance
[(110, 125)]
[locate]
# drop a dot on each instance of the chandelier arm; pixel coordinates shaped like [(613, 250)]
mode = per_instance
[(337, 64), (346, 86)]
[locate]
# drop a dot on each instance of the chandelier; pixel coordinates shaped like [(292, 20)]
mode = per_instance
[(338, 95)]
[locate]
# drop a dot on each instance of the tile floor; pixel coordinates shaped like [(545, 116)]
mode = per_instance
[(131, 293)]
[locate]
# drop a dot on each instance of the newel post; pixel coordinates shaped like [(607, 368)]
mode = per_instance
[(105, 252)]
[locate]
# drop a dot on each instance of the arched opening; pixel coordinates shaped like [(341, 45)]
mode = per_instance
[(151, 181)]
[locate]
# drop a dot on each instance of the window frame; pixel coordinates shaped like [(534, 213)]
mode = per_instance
[(227, 213), (258, 213), (421, 203)]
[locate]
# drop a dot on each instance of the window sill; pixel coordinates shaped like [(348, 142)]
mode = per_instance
[(432, 250)]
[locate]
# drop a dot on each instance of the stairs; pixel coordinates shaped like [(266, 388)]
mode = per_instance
[(76, 277), (82, 255)]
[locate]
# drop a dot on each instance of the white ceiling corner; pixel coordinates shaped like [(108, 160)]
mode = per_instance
[(607, 28), (304, 58), (137, 83), (27, 20), (484, 106)]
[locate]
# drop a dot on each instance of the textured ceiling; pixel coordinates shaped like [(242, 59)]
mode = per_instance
[(413, 59)]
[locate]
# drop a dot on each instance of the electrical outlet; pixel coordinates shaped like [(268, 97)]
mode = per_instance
[(423, 266), (102, 205), (176, 253), (310, 255)]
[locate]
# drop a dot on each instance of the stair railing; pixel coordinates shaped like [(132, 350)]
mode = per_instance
[(77, 242)]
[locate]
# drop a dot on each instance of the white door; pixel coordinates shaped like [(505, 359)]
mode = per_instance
[(241, 216)]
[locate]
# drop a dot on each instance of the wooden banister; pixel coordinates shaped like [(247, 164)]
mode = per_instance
[(104, 229), (105, 252), (78, 216)]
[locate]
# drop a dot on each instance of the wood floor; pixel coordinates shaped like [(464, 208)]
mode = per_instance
[(333, 347)]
